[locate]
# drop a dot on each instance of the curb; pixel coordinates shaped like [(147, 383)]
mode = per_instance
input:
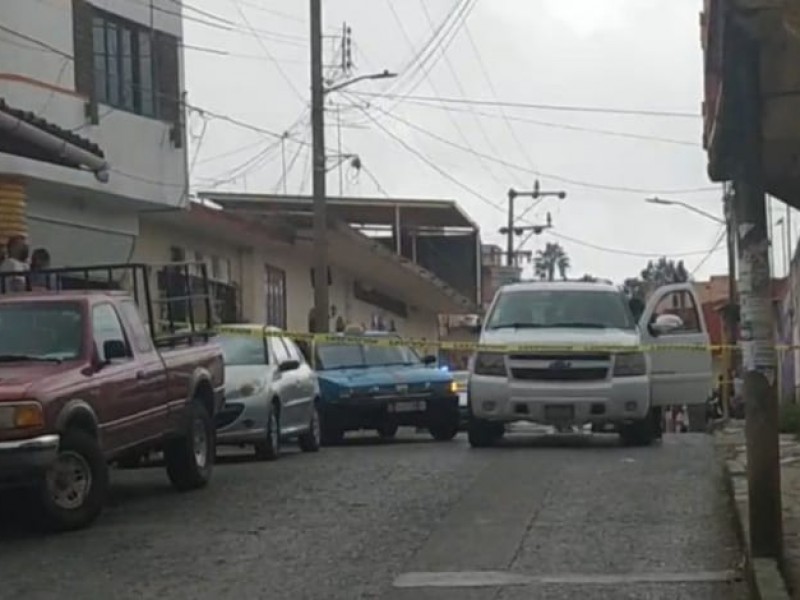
[(763, 575)]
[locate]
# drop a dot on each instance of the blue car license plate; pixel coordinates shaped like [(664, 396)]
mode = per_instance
[(409, 406)]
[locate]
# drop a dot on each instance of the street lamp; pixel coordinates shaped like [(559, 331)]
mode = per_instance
[(386, 74), (694, 209)]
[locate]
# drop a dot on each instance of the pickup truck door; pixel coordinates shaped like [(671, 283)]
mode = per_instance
[(151, 373), (680, 357), (119, 401)]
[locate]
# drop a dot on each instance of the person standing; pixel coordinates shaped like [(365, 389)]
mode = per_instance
[(16, 261), (40, 261)]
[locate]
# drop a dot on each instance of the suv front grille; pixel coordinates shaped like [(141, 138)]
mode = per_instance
[(571, 374)]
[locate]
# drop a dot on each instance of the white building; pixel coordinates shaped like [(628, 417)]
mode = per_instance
[(89, 86)]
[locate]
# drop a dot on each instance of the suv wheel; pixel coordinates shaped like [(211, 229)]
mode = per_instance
[(483, 434), (387, 430), (190, 458), (639, 433), (75, 487)]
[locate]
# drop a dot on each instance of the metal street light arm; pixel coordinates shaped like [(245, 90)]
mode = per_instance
[(349, 82), (687, 206)]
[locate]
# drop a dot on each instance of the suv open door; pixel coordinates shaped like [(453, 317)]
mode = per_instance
[(674, 329)]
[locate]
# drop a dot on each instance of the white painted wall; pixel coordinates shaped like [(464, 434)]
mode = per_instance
[(145, 165), (155, 240)]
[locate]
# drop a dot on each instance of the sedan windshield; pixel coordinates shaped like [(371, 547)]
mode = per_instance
[(345, 356), (40, 331), (242, 350), (588, 309)]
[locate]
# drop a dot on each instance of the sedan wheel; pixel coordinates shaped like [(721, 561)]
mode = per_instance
[(270, 448)]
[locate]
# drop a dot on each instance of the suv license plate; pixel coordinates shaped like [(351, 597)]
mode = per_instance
[(559, 412), (407, 407)]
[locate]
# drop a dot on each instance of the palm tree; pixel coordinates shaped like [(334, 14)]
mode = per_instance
[(553, 258)]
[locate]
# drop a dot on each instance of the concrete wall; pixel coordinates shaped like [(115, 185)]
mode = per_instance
[(248, 260), (146, 166)]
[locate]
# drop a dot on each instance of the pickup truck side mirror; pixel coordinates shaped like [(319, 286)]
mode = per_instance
[(114, 350), (429, 359), (289, 365)]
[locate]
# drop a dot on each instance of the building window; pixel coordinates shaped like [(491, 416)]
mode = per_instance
[(126, 65), (123, 65), (275, 296)]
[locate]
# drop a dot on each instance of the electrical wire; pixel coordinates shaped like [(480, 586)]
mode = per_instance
[(723, 233), (556, 177), (532, 106), (266, 50), (621, 252)]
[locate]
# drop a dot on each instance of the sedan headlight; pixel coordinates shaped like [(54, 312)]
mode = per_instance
[(490, 363), (630, 364), (22, 415)]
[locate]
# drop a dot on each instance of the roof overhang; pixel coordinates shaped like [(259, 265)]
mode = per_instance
[(29, 136), (774, 25), (408, 213), (366, 259)]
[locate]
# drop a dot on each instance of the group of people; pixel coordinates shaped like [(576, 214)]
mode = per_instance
[(16, 257)]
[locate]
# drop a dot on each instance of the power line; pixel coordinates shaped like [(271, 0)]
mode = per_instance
[(531, 106), (722, 235), (553, 176), (267, 51), (626, 252), (564, 126)]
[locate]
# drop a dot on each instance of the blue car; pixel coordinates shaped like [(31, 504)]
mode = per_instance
[(382, 387)]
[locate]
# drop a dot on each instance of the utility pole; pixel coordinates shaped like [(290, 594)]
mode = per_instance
[(321, 324), (510, 230), (755, 287), (731, 314)]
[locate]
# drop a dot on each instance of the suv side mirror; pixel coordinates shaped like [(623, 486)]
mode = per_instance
[(289, 365), (114, 350), (665, 324), (429, 359)]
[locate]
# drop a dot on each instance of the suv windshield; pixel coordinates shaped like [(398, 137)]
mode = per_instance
[(591, 309), (343, 356), (40, 331), (242, 350)]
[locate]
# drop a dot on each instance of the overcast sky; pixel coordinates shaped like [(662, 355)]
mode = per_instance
[(615, 54)]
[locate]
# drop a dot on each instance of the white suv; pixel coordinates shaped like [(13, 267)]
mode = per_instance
[(577, 355)]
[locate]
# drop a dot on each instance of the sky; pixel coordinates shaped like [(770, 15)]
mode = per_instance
[(247, 66)]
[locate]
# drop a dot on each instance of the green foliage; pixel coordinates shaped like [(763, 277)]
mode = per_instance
[(790, 418)]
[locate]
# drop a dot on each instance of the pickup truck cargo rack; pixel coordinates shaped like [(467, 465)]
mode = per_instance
[(171, 315)]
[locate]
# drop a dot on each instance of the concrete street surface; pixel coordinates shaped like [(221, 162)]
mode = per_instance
[(542, 517)]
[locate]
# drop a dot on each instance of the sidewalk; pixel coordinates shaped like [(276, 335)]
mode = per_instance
[(730, 442)]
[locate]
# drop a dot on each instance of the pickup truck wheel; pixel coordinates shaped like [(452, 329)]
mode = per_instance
[(190, 459), (75, 488), (484, 434), (310, 440), (270, 448)]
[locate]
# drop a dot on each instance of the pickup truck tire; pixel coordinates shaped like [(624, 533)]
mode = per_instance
[(310, 440), (444, 428), (190, 458), (270, 447), (484, 434), (75, 489)]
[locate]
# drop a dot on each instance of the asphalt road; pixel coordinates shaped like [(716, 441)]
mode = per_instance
[(541, 517)]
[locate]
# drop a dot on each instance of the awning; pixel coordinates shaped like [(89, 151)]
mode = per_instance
[(25, 134)]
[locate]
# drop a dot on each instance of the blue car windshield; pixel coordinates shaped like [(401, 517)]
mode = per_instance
[(354, 356)]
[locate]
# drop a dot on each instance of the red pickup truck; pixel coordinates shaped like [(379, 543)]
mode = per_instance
[(83, 384)]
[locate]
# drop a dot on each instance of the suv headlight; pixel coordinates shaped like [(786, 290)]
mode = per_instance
[(490, 363), (630, 364), (22, 415)]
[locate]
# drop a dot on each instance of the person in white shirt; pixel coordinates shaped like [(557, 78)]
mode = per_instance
[(16, 261)]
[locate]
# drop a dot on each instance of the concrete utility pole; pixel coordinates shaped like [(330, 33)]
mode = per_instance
[(321, 322), (759, 356), (731, 315), (510, 230)]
